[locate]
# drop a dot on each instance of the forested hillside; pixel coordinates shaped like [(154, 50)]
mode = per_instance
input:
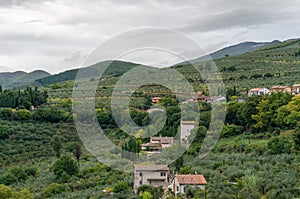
[(257, 155), (20, 78)]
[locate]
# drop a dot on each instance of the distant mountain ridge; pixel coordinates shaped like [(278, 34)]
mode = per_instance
[(115, 68), (237, 49), (20, 78), (42, 78)]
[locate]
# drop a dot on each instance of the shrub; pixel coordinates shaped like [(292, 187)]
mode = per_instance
[(65, 165), (120, 187), (9, 193), (231, 130), (54, 189)]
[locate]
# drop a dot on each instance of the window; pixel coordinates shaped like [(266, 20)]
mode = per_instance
[(161, 173), (141, 182), (141, 174)]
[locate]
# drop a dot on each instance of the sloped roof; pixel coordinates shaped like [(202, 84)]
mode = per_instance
[(256, 89), (191, 179), (151, 167), (163, 140), (152, 145), (279, 87), (187, 122)]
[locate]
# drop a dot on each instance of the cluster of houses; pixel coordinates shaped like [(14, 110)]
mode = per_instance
[(294, 90), (159, 175), (156, 144)]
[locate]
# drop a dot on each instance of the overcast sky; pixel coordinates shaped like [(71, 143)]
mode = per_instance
[(56, 35)]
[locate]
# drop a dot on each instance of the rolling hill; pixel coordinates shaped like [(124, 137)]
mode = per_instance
[(115, 68), (237, 49), (20, 78)]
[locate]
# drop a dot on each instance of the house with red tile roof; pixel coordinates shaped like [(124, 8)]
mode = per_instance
[(284, 89), (179, 182), (258, 91)]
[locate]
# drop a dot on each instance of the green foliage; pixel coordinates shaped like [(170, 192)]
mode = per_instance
[(120, 187), (22, 99), (10, 193), (185, 170), (57, 146), (131, 148), (17, 174), (64, 165), (54, 189), (156, 192), (279, 145), (75, 148), (296, 139), (231, 130), (267, 110), (146, 195), (51, 114)]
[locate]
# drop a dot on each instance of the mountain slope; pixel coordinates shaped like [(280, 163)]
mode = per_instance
[(20, 78), (278, 64), (115, 68), (237, 49)]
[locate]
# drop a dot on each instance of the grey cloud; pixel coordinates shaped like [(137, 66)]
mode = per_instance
[(236, 18), (62, 32)]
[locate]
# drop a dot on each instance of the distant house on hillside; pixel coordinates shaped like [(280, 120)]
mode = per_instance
[(258, 91), (296, 89), (211, 99), (156, 145), (185, 131), (179, 182), (284, 89), (164, 141), (152, 174), (155, 99), (152, 148), (215, 99), (152, 110)]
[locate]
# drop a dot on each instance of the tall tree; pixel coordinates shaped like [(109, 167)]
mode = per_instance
[(75, 148), (57, 146)]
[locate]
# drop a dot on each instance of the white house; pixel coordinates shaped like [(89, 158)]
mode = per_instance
[(185, 131), (215, 99), (179, 182), (258, 91), (151, 174), (296, 89)]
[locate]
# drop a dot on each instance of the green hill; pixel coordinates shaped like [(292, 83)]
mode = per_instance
[(278, 64), (115, 68), (237, 49), (19, 78), (41, 151)]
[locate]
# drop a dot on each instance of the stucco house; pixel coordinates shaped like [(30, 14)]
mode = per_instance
[(215, 99), (164, 141), (151, 174), (258, 91), (155, 99), (179, 182), (152, 148), (185, 131), (296, 89), (284, 89), (156, 145)]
